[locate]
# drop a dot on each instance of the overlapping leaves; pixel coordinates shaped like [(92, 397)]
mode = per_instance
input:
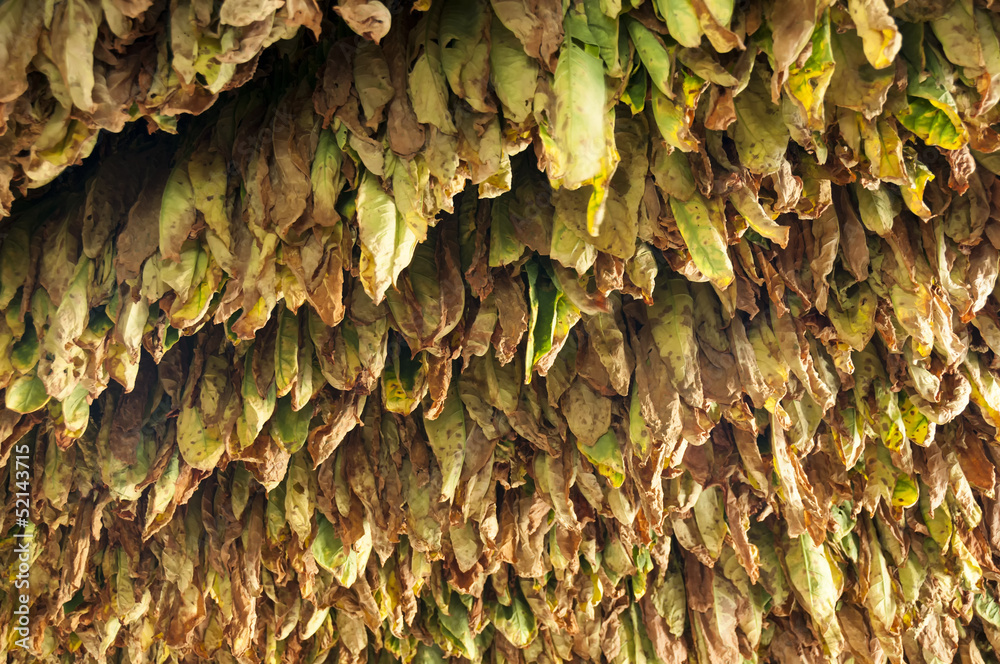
[(655, 331)]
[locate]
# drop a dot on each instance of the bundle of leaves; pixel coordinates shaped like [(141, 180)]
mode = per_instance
[(501, 331)]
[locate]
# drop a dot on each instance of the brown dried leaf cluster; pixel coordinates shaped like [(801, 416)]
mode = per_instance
[(503, 331)]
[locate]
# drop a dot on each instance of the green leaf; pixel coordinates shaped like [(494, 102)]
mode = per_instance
[(934, 124), (705, 66), (177, 213), (938, 521), (286, 352), (854, 317), (514, 75), (881, 597), (74, 28), (76, 411), (465, 51), (606, 455), (878, 210), (905, 493), (456, 624), (567, 247), (327, 548), (199, 448), (761, 142), (959, 33), (428, 87), (673, 122), (15, 260), (327, 179), (516, 622), (655, 56), (668, 598), (808, 83), (635, 92), (257, 408), (579, 135), (404, 382), (671, 320), (387, 242), (591, 26), (987, 609), (748, 205), (24, 353), (702, 224), (290, 427), (505, 247), (811, 573), (672, 172), (26, 394), (207, 171), (552, 317), (681, 19), (773, 577), (709, 514), (446, 435), (373, 82), (932, 113), (300, 495)]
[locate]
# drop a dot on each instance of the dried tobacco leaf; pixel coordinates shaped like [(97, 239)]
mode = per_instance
[(507, 331)]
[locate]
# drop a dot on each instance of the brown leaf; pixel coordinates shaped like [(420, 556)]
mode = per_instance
[(512, 307), (738, 516), (368, 18)]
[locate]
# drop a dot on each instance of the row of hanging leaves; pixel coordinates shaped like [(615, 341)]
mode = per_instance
[(514, 332)]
